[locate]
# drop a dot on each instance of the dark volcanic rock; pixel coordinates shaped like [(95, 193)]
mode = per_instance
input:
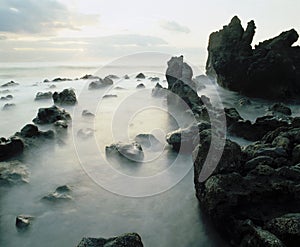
[(179, 76), (10, 84), (62, 193), (140, 86), (61, 79), (66, 97), (140, 76), (23, 221), (131, 151), (126, 240), (87, 77), (42, 96), (13, 172), (10, 147), (7, 97), (51, 115), (255, 191), (101, 83), (271, 70)]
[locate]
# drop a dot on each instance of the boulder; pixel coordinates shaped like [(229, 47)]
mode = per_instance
[(126, 240), (100, 83), (126, 77), (66, 97), (271, 70), (140, 76), (43, 96), (23, 221), (61, 79), (13, 172), (131, 151), (280, 108), (51, 115), (7, 97), (61, 193), (140, 86), (10, 147)]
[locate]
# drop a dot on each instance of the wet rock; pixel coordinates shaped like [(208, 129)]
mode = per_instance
[(126, 240), (10, 147), (287, 228), (7, 97), (149, 141), (186, 139), (179, 77), (131, 151), (87, 77), (86, 113), (62, 193), (51, 115), (109, 96), (140, 76), (140, 86), (101, 83), (43, 96), (10, 84), (159, 91), (23, 221), (66, 97), (271, 70), (259, 183), (281, 108), (8, 106), (13, 172), (85, 133), (61, 79)]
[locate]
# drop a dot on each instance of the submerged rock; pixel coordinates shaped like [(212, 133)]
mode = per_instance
[(86, 113), (126, 77), (154, 79), (109, 96), (126, 240), (8, 106), (66, 97), (131, 151), (43, 96), (271, 70), (51, 115), (23, 221), (13, 172), (149, 141), (62, 193), (10, 147), (85, 133), (10, 84)]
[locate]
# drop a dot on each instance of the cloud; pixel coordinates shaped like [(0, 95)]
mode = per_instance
[(174, 27), (36, 17)]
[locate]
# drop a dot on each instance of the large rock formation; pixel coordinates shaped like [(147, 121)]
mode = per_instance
[(253, 194), (125, 240), (271, 70), (66, 97)]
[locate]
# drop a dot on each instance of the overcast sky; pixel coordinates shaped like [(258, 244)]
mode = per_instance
[(101, 30)]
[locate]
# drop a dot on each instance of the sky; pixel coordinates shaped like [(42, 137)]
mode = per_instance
[(99, 31)]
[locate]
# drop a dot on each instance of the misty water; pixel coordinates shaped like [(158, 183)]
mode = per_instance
[(164, 212)]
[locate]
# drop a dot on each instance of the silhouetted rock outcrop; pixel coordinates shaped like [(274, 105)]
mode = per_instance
[(66, 97), (271, 70)]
